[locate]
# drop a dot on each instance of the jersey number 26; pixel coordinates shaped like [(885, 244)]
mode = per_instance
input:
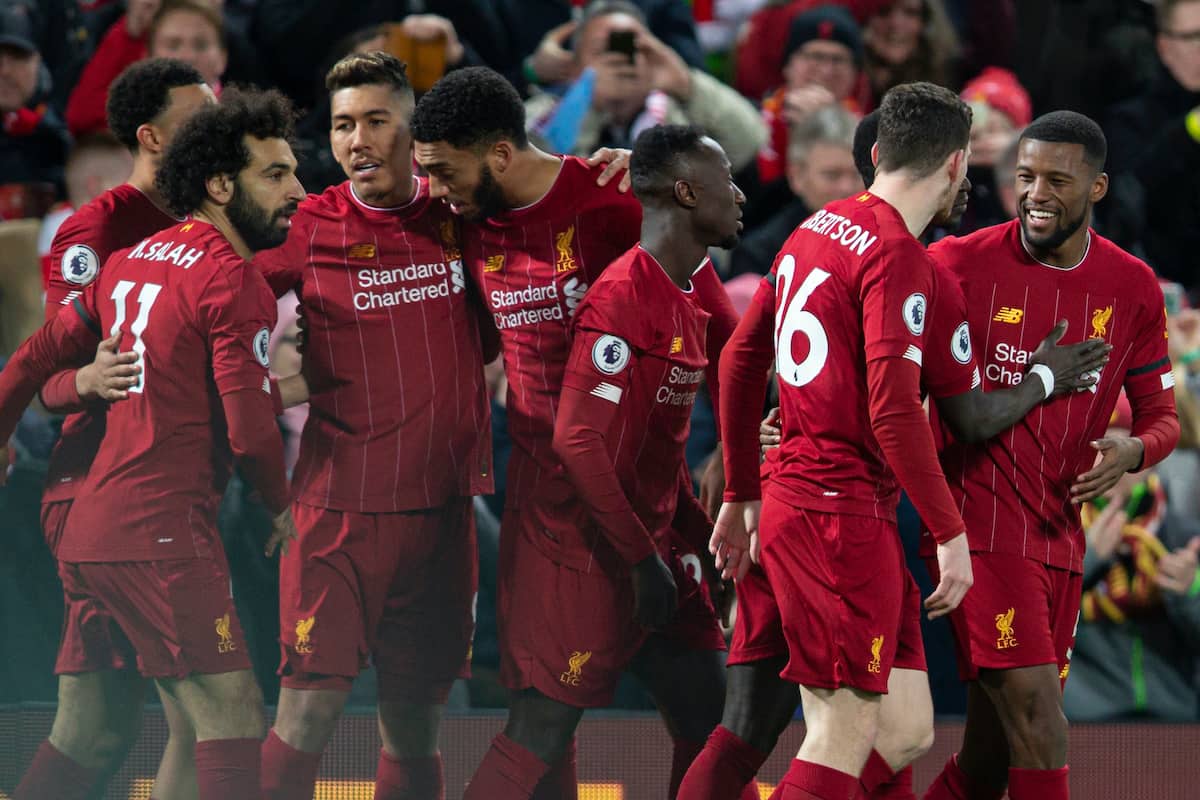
[(791, 318)]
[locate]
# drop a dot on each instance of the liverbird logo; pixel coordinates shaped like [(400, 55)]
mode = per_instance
[(1100, 319), (303, 630), (225, 643), (575, 664), (876, 649), (1004, 626), (565, 262), (450, 240)]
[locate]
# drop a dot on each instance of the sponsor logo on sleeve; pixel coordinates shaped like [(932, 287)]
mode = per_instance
[(914, 313), (262, 343), (610, 354), (80, 264)]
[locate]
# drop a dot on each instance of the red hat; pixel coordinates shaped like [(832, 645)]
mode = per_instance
[(1001, 90)]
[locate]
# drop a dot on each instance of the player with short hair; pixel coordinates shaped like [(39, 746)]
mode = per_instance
[(99, 712), (1019, 491), (759, 704), (543, 234), (141, 546), (397, 441), (847, 304)]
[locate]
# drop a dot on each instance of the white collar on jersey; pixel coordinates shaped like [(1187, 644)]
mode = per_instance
[(1087, 249), (416, 196), (690, 285)]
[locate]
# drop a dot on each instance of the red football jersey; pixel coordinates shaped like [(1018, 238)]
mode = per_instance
[(850, 285), (1014, 490), (114, 220), (200, 319), (949, 367), (398, 415), (534, 265), (629, 387)]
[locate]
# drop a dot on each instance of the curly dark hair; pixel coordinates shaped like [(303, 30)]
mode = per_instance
[(657, 154), (1072, 128), (864, 139), (142, 92), (213, 143), (920, 124), (474, 107)]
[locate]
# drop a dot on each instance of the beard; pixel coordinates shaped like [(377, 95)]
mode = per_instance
[(1054, 240), (488, 199), (730, 241), (257, 226)]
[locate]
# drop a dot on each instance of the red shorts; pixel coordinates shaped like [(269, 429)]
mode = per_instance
[(394, 589), (1018, 613), (172, 618), (570, 633), (758, 628), (844, 594)]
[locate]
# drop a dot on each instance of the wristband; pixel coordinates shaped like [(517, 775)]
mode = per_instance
[(1194, 589), (1192, 123), (1047, 377)]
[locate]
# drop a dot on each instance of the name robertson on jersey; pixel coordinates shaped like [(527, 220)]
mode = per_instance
[(841, 230), (378, 281), (544, 299)]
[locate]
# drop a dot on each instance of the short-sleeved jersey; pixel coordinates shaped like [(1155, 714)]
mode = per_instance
[(112, 221), (398, 411), (1014, 490), (849, 286), (649, 365), (949, 367), (534, 265), (200, 318)]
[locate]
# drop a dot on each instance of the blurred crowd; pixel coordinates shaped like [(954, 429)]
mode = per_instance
[(781, 85)]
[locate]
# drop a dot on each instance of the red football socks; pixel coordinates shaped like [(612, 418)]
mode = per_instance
[(508, 772), (53, 775), (287, 772), (560, 783), (954, 784), (879, 782), (228, 769), (409, 778), (1039, 784), (808, 781), (724, 770)]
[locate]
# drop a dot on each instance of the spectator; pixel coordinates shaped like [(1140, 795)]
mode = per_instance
[(296, 36), (821, 67), (759, 55), (1000, 109), (907, 40), (97, 163), (540, 34), (185, 29), (651, 86), (1138, 638), (1153, 142), (820, 169), (33, 140)]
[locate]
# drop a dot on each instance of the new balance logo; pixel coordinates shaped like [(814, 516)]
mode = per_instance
[(1010, 315)]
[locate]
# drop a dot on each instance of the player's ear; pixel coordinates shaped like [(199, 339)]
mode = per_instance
[(1099, 187), (875, 154), (685, 195), (148, 138), (220, 188), (500, 155)]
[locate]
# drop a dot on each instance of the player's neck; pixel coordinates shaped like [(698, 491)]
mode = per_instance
[(142, 179), (916, 201), (220, 221), (530, 177), (673, 247), (1067, 255)]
